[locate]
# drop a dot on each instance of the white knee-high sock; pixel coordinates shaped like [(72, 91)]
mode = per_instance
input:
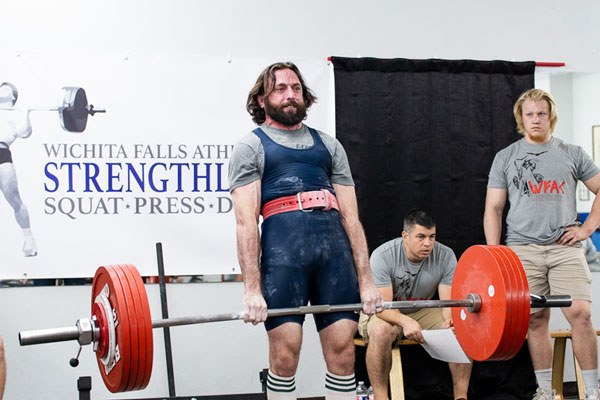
[(340, 387), (281, 388)]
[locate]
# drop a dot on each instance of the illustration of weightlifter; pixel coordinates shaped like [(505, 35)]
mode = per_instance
[(13, 125)]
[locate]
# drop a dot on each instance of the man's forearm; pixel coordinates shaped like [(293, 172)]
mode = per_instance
[(248, 253), (593, 220), (492, 227)]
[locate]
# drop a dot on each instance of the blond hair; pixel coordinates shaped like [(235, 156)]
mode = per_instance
[(535, 95)]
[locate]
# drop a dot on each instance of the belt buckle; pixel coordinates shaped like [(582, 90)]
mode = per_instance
[(299, 199)]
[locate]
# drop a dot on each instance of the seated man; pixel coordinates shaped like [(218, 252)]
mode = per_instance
[(411, 267)]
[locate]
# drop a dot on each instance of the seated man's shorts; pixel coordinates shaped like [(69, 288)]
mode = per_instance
[(428, 318)]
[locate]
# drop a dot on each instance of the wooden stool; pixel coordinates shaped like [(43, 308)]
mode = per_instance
[(558, 364)]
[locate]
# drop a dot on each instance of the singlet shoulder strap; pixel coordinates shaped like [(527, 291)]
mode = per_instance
[(315, 135)]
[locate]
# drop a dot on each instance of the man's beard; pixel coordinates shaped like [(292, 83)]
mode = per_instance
[(286, 118)]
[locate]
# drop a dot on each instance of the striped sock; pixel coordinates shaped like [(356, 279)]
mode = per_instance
[(340, 387), (281, 388)]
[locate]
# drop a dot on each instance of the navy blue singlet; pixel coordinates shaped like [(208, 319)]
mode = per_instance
[(306, 256)]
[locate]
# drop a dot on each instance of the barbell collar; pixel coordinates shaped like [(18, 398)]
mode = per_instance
[(91, 110)]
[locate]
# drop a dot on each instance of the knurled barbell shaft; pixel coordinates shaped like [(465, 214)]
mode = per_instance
[(72, 333), (471, 303), (318, 309)]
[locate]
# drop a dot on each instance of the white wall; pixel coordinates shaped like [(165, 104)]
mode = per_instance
[(550, 31), (553, 30)]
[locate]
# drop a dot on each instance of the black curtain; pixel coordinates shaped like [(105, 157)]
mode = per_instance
[(423, 134)]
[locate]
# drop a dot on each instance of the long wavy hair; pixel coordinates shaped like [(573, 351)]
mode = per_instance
[(264, 86)]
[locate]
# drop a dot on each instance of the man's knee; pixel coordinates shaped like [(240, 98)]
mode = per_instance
[(580, 312), (539, 320), (382, 333), (284, 364)]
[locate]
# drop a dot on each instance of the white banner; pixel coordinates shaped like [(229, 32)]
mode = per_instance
[(153, 168)]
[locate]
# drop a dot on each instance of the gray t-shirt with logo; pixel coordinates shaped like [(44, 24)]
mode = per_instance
[(541, 181), (411, 281), (247, 161)]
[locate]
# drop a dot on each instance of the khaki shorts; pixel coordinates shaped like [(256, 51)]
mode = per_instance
[(556, 269), (428, 318)]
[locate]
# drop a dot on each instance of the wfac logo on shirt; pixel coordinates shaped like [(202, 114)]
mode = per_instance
[(530, 181)]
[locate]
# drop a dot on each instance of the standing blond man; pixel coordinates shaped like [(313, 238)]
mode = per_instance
[(538, 176)]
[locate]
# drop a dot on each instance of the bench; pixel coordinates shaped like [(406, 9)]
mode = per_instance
[(558, 365)]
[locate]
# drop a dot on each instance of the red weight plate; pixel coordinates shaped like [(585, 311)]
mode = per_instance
[(144, 325), (524, 301), (481, 333), (512, 338), (147, 325), (130, 359), (132, 319), (522, 278), (507, 342), (521, 305), (115, 373), (515, 335), (141, 333)]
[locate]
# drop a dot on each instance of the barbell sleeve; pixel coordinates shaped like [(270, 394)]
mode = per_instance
[(50, 335), (550, 301)]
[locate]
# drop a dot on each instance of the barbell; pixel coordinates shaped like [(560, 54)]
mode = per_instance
[(73, 111), (490, 303)]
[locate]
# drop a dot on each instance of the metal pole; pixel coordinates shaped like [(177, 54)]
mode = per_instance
[(165, 314)]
